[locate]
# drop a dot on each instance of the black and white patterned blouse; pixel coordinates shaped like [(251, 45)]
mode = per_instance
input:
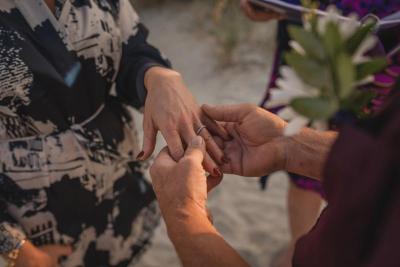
[(67, 140)]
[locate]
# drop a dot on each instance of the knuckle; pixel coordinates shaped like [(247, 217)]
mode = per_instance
[(189, 162), (176, 153)]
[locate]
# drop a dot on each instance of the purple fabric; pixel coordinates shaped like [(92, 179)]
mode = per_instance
[(383, 81), (360, 225)]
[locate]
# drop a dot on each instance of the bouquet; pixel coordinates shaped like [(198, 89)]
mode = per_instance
[(328, 71)]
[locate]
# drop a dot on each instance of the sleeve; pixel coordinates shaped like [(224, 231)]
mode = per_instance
[(137, 57), (11, 234)]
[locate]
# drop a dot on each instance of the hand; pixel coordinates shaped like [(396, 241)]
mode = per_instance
[(46, 256), (259, 13), (258, 146), (171, 109), (181, 184)]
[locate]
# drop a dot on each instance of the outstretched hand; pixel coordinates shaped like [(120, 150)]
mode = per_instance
[(258, 146), (171, 109)]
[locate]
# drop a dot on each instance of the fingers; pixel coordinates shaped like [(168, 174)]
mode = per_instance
[(219, 142), (227, 113), (234, 152), (196, 149), (211, 167), (213, 150), (215, 128), (174, 142), (149, 139), (212, 182), (162, 163), (212, 147)]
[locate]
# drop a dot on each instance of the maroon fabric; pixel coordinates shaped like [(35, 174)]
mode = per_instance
[(361, 224)]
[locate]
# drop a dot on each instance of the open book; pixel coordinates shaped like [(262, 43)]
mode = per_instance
[(295, 12)]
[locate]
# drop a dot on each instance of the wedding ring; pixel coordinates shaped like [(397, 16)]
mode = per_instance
[(201, 128)]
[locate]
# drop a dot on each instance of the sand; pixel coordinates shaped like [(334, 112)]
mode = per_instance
[(253, 221)]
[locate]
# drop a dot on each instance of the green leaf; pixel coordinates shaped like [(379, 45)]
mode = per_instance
[(332, 39), (371, 67), (345, 75), (309, 41), (309, 70), (314, 108), (354, 42)]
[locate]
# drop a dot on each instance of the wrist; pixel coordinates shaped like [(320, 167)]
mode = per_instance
[(307, 151), (186, 221), (156, 74)]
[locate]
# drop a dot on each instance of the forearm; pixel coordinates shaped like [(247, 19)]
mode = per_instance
[(306, 152), (198, 243)]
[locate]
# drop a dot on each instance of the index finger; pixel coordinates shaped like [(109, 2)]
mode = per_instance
[(214, 127), (227, 113), (216, 153)]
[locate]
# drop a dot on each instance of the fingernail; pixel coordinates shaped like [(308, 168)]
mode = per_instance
[(217, 172), (197, 141), (140, 155), (225, 160)]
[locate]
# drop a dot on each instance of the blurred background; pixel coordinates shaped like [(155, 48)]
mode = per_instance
[(224, 59)]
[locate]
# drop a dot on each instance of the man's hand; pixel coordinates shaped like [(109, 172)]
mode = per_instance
[(183, 184), (181, 189), (171, 109), (46, 256), (258, 13), (258, 145)]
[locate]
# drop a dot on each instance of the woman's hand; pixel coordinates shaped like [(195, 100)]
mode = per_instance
[(46, 256), (258, 145), (171, 109), (258, 13)]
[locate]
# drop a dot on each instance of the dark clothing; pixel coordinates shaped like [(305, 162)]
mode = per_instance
[(67, 138), (360, 225)]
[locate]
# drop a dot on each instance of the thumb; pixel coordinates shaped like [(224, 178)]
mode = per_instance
[(227, 113), (57, 251), (149, 139), (196, 149)]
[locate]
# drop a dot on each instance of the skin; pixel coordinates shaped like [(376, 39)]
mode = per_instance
[(259, 14), (171, 109), (303, 205), (183, 207), (257, 146), (45, 256)]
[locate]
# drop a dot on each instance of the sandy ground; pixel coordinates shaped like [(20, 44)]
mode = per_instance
[(252, 221)]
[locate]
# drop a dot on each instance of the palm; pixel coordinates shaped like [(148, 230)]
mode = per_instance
[(255, 148), (250, 157)]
